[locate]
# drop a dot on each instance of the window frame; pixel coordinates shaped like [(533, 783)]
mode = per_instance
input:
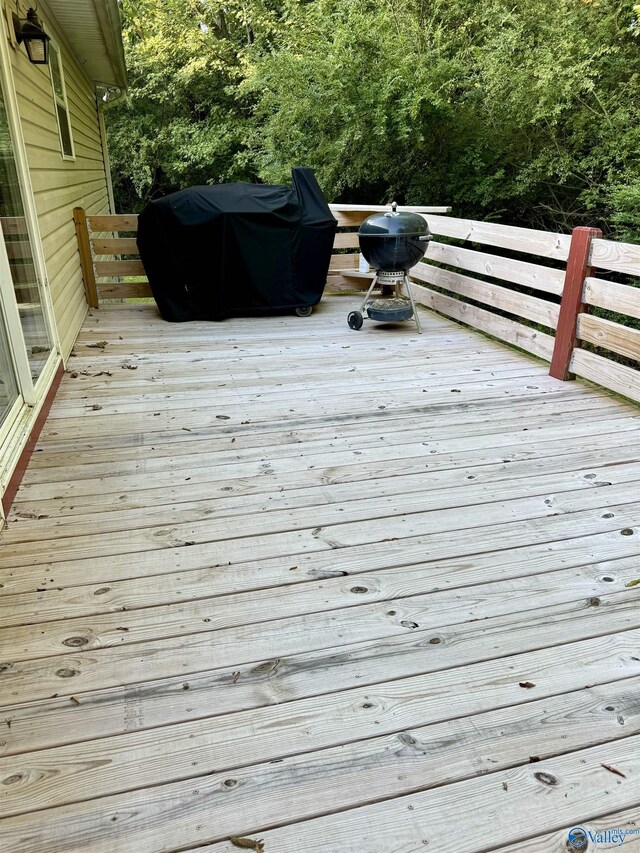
[(63, 102)]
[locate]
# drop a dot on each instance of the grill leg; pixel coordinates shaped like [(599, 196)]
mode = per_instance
[(416, 316), (369, 292)]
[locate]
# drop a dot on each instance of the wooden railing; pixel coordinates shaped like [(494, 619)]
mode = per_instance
[(569, 289), (94, 245), (501, 292)]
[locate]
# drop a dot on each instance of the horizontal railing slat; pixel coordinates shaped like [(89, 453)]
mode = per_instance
[(113, 222), (355, 214), (622, 298), (339, 207), (134, 290), (502, 298), (345, 261), (346, 240), (346, 214), (338, 283), (115, 246), (133, 267), (610, 374), (543, 243), (531, 340), (609, 335), (518, 272), (618, 257)]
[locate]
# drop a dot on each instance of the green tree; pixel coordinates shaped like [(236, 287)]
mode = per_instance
[(526, 110), (184, 121)]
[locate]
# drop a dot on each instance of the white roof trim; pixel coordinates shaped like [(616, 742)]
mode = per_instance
[(94, 31)]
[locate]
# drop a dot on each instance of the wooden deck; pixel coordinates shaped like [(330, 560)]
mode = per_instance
[(366, 592)]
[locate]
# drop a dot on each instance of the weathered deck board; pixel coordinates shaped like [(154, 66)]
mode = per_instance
[(280, 586), (434, 496), (462, 817), (556, 842), (32, 526), (143, 705), (288, 582)]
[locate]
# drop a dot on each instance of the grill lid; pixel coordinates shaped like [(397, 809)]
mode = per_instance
[(394, 223)]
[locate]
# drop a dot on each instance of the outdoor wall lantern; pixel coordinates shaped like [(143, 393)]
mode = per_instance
[(30, 31)]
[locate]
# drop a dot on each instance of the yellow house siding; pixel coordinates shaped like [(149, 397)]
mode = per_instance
[(59, 185)]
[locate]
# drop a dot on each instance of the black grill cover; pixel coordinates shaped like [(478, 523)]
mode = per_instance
[(214, 251)]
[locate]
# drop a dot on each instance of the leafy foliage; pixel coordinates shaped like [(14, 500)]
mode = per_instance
[(526, 110)]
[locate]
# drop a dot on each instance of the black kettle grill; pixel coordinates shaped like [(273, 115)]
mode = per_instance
[(391, 242)]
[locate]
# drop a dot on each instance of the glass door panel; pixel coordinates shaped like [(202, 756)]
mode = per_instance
[(8, 383), (19, 251)]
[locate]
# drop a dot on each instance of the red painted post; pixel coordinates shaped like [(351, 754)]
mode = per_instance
[(572, 305)]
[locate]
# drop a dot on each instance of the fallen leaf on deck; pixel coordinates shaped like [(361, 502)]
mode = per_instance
[(98, 345), (636, 582), (74, 699), (527, 684), (223, 417), (96, 407), (186, 429), (247, 843), (131, 367), (36, 349), (613, 770)]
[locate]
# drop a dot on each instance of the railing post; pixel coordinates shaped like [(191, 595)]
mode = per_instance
[(572, 300), (86, 261)]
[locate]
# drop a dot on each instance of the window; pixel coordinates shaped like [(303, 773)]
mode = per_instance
[(60, 102)]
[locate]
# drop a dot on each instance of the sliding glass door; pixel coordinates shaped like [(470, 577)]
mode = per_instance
[(19, 250), (29, 352)]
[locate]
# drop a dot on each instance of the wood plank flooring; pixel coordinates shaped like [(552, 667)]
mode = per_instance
[(274, 580)]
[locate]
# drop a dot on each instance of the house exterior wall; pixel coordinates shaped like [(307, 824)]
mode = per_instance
[(61, 184)]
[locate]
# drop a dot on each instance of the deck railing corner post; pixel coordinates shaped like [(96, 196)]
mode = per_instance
[(572, 303), (86, 259)]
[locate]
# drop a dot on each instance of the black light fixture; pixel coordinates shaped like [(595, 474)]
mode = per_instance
[(30, 31)]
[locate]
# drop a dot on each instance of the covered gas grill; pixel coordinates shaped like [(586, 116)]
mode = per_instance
[(392, 243), (212, 252)]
